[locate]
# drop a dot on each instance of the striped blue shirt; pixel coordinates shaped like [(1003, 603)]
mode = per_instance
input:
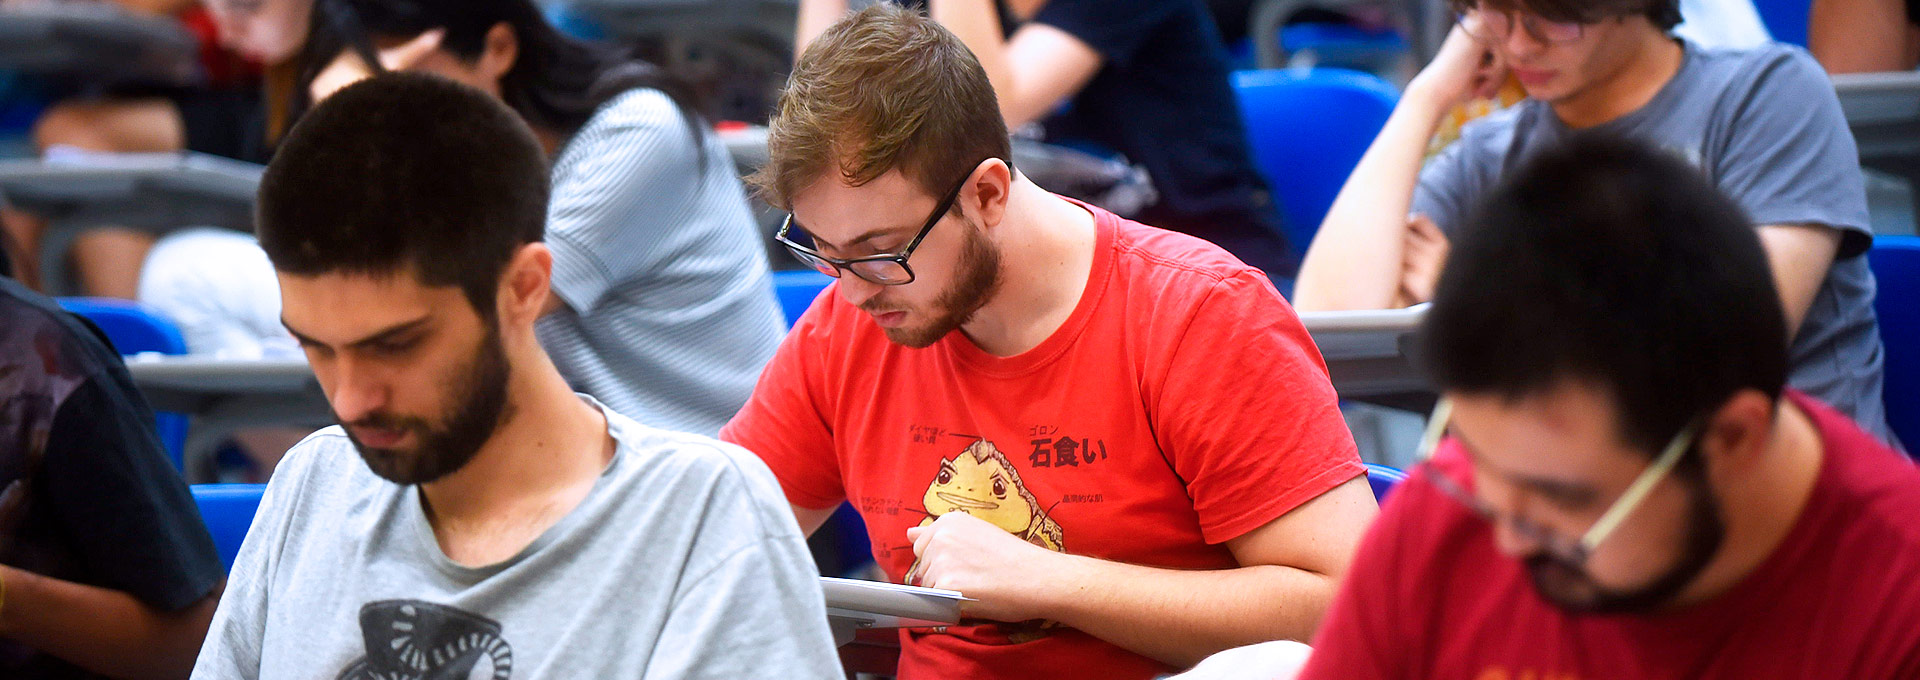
[(670, 312)]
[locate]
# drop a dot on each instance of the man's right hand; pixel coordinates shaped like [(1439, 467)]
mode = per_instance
[(1464, 70)]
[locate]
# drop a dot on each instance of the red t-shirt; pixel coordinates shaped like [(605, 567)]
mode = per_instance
[(1430, 597), (1181, 405)]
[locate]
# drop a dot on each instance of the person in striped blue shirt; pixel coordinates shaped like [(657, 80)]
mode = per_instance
[(663, 306)]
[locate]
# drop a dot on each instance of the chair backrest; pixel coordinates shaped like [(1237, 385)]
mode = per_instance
[(134, 328), (1307, 129), (1383, 479), (797, 289), (1786, 20), (228, 511), (1896, 267)]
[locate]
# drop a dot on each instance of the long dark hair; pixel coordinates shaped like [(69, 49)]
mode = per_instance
[(556, 83)]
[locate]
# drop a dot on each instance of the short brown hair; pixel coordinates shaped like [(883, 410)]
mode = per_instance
[(882, 89), (1665, 14)]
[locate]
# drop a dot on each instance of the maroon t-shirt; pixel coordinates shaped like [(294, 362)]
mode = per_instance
[(1431, 597)]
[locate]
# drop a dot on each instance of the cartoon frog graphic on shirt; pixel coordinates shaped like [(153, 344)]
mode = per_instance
[(982, 482)]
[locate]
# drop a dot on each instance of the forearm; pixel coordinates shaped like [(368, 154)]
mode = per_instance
[(977, 25), (102, 630), (1356, 259), (156, 7), (1799, 256), (814, 18), (1181, 617), (1860, 36)]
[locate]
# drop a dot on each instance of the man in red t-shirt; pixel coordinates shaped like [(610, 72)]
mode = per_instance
[(1119, 440), (1628, 491)]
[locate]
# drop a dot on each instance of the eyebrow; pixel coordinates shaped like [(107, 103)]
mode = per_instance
[(383, 335), (1552, 487), (870, 235)]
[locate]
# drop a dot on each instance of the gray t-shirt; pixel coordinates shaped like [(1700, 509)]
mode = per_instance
[(684, 561), (1766, 128), (670, 307)]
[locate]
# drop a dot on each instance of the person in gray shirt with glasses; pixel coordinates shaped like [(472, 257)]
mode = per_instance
[(1762, 125)]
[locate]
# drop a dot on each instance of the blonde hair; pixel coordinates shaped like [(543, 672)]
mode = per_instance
[(882, 89)]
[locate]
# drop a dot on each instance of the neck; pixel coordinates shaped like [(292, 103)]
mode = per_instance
[(1046, 254), (1764, 505), (1651, 63), (550, 140), (550, 446)]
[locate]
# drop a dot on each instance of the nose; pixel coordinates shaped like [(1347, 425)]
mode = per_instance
[(1520, 44), (1509, 535), (357, 390), (855, 290)]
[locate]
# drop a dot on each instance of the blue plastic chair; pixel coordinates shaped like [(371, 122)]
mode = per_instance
[(1786, 20), (797, 289), (1308, 128), (1383, 479), (1896, 265), (228, 511), (135, 328)]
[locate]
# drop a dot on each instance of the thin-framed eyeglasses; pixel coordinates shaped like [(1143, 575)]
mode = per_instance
[(1574, 551), (886, 269), (1495, 27)]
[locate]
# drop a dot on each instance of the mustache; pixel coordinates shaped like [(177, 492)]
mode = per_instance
[(385, 421)]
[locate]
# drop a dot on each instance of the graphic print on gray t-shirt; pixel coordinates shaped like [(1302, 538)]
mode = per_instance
[(1765, 127), (414, 640)]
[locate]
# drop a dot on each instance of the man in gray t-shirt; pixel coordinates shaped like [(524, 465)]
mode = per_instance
[(1763, 125), (493, 523)]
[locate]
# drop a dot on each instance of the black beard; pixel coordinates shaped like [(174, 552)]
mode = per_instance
[(1706, 531), (480, 406)]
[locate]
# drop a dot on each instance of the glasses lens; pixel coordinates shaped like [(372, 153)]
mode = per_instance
[(883, 272), (1485, 26), (1556, 31), (813, 261)]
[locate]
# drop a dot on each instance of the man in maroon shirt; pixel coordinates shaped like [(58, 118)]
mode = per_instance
[(1627, 490)]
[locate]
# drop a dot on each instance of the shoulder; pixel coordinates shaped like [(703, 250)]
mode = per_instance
[(1773, 70), (640, 121), (700, 472), (321, 466), (1174, 272)]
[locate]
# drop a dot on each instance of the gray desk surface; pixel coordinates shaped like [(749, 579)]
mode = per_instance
[(769, 19), (135, 189), (224, 395), (1883, 109), (95, 41), (1363, 351), (155, 192)]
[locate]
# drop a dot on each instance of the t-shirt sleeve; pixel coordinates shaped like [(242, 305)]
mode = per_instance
[(119, 502), (1451, 182), (633, 170), (1795, 164), (1364, 635), (1246, 413), (1117, 29), (785, 421)]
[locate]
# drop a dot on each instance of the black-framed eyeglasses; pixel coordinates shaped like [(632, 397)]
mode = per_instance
[(1571, 550), (886, 269), (1496, 27)]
